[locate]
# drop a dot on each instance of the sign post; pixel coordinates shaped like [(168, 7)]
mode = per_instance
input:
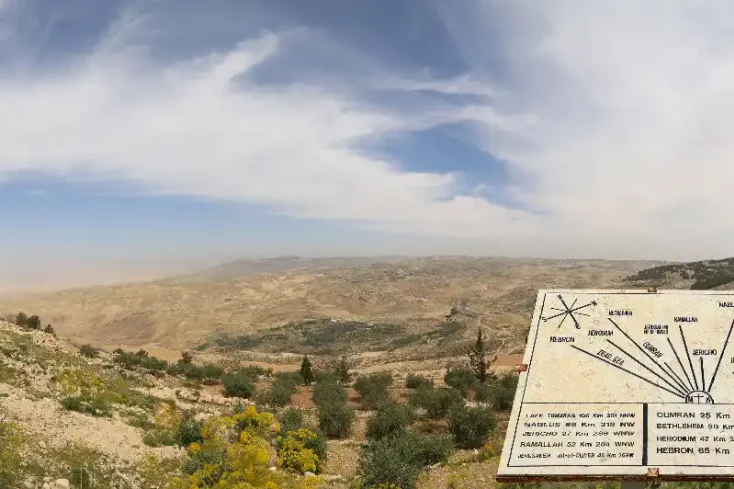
[(627, 385)]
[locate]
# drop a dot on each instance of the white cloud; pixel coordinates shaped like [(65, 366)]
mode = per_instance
[(631, 146), (190, 129)]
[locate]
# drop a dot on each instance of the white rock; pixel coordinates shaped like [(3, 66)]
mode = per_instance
[(62, 484), (46, 485), (309, 474)]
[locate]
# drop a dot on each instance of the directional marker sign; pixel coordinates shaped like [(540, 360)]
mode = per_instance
[(625, 384)]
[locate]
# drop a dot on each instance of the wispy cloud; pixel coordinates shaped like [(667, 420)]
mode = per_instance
[(631, 148), (201, 128)]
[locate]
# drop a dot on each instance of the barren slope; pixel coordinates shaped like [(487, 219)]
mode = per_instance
[(416, 294)]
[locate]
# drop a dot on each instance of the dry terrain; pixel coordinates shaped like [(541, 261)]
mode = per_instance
[(406, 303), (107, 414)]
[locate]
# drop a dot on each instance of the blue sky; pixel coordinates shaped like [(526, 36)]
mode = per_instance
[(141, 138)]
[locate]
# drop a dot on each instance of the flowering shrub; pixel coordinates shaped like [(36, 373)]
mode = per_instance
[(235, 454), (295, 454)]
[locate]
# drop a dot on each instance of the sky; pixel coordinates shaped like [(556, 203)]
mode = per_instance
[(140, 138)]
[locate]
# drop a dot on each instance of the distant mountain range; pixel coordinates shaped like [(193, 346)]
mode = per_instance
[(250, 267)]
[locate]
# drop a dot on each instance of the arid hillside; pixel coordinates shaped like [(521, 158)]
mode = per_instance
[(411, 305)]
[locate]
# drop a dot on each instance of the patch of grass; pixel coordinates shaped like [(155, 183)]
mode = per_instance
[(160, 438), (318, 336)]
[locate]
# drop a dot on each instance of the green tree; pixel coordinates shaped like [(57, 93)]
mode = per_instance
[(88, 351), (186, 358), (33, 322), (477, 361), (306, 371), (21, 319), (342, 371)]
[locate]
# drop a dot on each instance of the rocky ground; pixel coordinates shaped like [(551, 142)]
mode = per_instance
[(33, 366)]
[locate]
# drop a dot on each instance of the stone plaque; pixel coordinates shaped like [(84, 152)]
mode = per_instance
[(625, 384)]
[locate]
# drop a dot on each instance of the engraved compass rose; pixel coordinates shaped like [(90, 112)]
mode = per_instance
[(569, 311)]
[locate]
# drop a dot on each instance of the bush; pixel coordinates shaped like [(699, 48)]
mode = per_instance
[(483, 393), (461, 378), (436, 402), (413, 381), (291, 420), (278, 395), (297, 453), (328, 391), (389, 461), (471, 427), (399, 460), (189, 431), (335, 420), (87, 404), (430, 449), (373, 389), (335, 417), (160, 438), (88, 351), (389, 420), (503, 392), (289, 379), (237, 384)]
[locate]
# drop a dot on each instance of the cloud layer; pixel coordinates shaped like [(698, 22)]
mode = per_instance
[(614, 116)]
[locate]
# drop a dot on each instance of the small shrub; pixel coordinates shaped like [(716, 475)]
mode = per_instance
[(49, 330), (296, 454), (373, 389), (237, 384), (398, 460), (88, 405), (483, 393), (503, 392), (327, 391), (461, 378), (291, 420), (335, 420), (389, 461), (289, 379), (189, 431), (413, 381), (431, 449), (278, 395), (471, 427), (160, 438), (389, 420), (436, 402), (88, 351)]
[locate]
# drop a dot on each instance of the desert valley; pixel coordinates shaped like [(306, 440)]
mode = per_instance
[(124, 386)]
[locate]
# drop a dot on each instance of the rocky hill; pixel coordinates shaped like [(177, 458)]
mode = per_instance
[(81, 418), (698, 275), (405, 306)]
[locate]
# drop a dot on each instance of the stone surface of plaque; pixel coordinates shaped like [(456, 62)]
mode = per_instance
[(623, 383)]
